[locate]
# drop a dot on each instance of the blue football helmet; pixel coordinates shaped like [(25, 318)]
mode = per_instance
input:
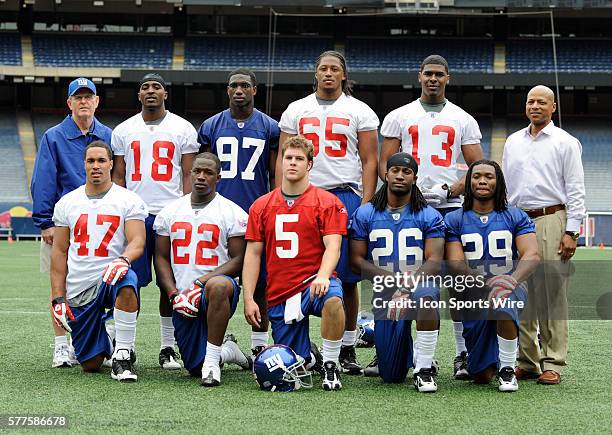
[(365, 324), (278, 368)]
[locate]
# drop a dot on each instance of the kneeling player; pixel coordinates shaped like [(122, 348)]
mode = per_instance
[(491, 236), (199, 251), (95, 223), (398, 228), (300, 227)]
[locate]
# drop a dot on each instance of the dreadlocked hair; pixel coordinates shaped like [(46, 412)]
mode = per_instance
[(347, 85), (500, 197), (380, 198)]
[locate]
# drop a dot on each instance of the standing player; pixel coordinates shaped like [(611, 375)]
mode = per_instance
[(344, 133), (246, 142), (58, 170), (154, 152), (99, 231), (435, 132), (398, 232), (300, 227), (491, 236), (199, 251)]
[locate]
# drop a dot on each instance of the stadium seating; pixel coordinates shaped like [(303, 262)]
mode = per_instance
[(12, 169), (10, 49), (582, 55), (105, 51), (209, 53), (486, 131), (401, 54)]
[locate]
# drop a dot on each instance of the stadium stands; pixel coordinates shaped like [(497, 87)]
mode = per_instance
[(573, 55), (401, 54), (486, 131), (12, 169), (10, 49), (209, 53), (108, 51)]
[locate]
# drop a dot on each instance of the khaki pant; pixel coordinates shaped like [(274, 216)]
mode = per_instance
[(547, 306), (45, 257)]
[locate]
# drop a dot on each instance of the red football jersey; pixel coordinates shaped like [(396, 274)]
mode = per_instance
[(292, 232)]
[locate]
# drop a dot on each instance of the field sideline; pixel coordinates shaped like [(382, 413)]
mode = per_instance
[(166, 401)]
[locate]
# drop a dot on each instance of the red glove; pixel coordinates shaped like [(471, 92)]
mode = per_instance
[(116, 270), (188, 303), (60, 311)]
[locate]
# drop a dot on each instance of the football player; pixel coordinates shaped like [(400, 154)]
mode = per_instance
[(246, 142), (398, 232), (485, 238), (99, 232), (154, 151), (300, 227), (344, 133), (435, 132), (199, 252)]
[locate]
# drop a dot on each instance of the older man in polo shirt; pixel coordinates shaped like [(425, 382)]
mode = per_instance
[(543, 168), (59, 170)]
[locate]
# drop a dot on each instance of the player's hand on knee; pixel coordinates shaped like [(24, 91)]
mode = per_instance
[(499, 294), (187, 304), (399, 309), (116, 270), (319, 287), (251, 313), (504, 281), (61, 312)]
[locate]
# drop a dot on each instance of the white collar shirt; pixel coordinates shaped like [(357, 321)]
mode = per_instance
[(545, 170)]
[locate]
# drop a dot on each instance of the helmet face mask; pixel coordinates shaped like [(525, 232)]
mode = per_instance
[(278, 368), (365, 326)]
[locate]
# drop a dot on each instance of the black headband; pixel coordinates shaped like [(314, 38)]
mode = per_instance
[(403, 159), (153, 77)]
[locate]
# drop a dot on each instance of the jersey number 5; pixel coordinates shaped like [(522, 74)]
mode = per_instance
[(290, 236), (81, 235), (447, 146), (185, 242), (329, 135), (159, 161)]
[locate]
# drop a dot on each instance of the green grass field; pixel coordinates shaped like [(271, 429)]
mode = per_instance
[(165, 401)]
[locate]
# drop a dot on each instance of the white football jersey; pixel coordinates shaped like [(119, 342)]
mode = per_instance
[(153, 156), (199, 237), (97, 232), (333, 131), (433, 139)]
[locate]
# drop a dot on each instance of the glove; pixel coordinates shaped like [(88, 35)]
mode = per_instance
[(435, 196), (116, 270), (499, 293), (506, 282), (400, 310), (60, 311), (187, 304)]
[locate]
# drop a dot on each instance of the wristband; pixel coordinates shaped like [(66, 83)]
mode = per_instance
[(127, 260), (199, 283)]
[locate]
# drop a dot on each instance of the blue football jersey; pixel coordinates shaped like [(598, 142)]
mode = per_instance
[(396, 241), (488, 240), (244, 151)]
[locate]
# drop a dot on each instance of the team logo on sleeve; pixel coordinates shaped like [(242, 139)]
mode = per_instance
[(242, 222), (343, 210)]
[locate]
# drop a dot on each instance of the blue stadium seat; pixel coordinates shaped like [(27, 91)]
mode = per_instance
[(10, 49), (12, 168)]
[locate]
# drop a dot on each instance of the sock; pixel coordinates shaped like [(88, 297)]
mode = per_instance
[(61, 340), (227, 354), (125, 327), (426, 343), (349, 338), (507, 352), (331, 350), (213, 354), (166, 329), (259, 339), (459, 340)]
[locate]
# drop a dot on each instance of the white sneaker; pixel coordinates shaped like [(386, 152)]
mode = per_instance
[(122, 367), (506, 379), (331, 376), (211, 375), (61, 356), (73, 359), (424, 381), (168, 359), (237, 356)]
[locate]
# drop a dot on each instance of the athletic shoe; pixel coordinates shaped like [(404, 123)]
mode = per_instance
[(507, 380), (317, 364), (72, 355), (348, 361), (425, 382), (331, 376), (61, 356), (211, 375), (460, 371), (371, 370), (435, 367), (168, 359), (237, 355), (255, 351), (123, 369)]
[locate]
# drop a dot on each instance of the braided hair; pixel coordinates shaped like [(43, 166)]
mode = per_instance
[(500, 197), (380, 198), (347, 85)]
